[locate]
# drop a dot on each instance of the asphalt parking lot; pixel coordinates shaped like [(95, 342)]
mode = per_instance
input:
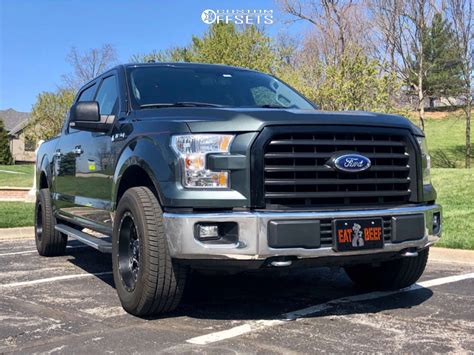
[(68, 304)]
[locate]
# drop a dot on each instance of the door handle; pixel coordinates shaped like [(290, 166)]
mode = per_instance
[(77, 150)]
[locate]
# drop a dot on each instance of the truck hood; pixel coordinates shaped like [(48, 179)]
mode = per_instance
[(203, 119)]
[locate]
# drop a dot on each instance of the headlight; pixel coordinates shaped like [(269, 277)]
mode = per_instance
[(425, 160), (192, 150)]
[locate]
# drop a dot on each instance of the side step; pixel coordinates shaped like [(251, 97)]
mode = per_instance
[(100, 244)]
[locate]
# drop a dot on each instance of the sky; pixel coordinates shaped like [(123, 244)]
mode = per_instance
[(36, 35)]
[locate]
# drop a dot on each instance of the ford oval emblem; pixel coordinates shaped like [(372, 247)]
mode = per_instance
[(352, 163)]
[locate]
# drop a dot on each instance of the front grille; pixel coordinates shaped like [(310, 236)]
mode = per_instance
[(295, 173), (387, 229)]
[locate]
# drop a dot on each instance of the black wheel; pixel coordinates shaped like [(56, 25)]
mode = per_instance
[(389, 275), (147, 280), (49, 242)]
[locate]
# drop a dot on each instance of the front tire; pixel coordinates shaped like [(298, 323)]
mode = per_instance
[(389, 275), (49, 242), (148, 282)]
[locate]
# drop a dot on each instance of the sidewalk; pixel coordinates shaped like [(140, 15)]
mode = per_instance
[(452, 255), (17, 233)]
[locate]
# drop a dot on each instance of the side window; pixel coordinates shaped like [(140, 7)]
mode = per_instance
[(107, 96), (87, 94)]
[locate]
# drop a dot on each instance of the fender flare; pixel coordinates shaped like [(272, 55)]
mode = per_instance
[(44, 167), (142, 152)]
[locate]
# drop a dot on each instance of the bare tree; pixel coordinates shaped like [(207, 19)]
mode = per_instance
[(385, 16), (403, 25), (461, 16), (87, 65), (338, 25)]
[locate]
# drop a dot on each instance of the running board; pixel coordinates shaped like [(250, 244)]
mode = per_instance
[(94, 242)]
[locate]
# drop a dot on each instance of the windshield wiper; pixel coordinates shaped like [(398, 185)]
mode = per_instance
[(271, 106), (180, 104)]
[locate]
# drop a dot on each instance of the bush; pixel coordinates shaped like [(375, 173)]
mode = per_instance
[(5, 154)]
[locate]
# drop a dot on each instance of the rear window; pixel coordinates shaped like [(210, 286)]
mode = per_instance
[(218, 86)]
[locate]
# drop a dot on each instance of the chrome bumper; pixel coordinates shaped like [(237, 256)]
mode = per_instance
[(253, 245)]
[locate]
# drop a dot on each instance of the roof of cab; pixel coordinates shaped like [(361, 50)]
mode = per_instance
[(184, 65)]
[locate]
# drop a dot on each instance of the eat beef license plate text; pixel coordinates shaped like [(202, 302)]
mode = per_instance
[(358, 234)]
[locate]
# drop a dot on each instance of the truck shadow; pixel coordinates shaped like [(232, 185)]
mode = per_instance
[(269, 295), (263, 294)]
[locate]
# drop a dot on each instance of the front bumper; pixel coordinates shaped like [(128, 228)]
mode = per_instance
[(253, 233)]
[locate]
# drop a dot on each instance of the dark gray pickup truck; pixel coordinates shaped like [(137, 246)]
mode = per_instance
[(172, 167)]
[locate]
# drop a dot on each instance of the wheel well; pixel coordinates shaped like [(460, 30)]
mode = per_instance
[(135, 176), (43, 181)]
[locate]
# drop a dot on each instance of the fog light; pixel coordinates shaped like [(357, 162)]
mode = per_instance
[(436, 222), (216, 232), (207, 232)]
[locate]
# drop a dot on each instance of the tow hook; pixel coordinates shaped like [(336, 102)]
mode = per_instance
[(282, 261), (409, 253)]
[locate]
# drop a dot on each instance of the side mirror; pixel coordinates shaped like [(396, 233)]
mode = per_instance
[(85, 116), (87, 111)]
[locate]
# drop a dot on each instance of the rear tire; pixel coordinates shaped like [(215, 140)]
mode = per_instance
[(148, 282), (389, 275), (49, 242)]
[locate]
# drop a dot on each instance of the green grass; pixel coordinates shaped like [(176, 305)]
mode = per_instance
[(456, 193), (446, 140), (22, 178), (16, 214)]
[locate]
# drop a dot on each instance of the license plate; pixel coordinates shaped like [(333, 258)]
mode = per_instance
[(358, 234)]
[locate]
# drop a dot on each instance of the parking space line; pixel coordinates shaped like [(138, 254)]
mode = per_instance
[(253, 326), (53, 279), (35, 251), (19, 253)]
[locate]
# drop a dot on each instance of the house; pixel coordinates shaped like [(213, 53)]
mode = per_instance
[(21, 148)]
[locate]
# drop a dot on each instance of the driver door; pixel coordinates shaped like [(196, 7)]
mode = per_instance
[(95, 164)]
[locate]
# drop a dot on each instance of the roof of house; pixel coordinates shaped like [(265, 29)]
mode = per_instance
[(13, 120)]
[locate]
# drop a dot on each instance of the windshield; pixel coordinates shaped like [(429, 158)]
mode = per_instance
[(169, 86)]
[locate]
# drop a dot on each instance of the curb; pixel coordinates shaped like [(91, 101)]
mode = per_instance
[(452, 255), (2, 188), (17, 233)]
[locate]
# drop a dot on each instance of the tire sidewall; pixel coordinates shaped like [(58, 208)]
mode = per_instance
[(129, 203), (39, 202), (48, 220)]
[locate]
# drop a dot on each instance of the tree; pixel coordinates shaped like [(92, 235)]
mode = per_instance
[(5, 154), (461, 15), (224, 43), (87, 65), (354, 83), (338, 26), (443, 74), (176, 54), (48, 114), (403, 25)]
